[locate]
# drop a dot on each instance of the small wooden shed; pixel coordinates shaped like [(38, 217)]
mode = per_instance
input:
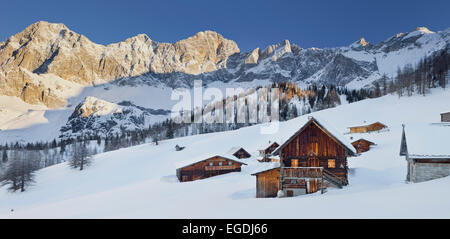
[(267, 182), (445, 117), (362, 145), (239, 153), (209, 167), (367, 128)]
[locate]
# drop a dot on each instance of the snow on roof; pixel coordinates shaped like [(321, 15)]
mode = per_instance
[(428, 140), (362, 139), (265, 167), (366, 124), (327, 126), (233, 150), (268, 144), (203, 157)]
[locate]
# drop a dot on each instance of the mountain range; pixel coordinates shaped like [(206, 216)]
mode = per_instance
[(50, 71)]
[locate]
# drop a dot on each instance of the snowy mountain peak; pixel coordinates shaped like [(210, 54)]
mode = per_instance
[(363, 42), (424, 30), (360, 44), (277, 50)]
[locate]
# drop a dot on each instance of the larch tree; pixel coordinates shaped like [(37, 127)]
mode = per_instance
[(81, 156), (20, 171)]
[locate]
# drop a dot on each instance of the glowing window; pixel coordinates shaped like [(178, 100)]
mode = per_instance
[(331, 163)]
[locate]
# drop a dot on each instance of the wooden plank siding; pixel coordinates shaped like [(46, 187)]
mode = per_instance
[(271, 148), (367, 128), (267, 183), (210, 167), (242, 154), (362, 145)]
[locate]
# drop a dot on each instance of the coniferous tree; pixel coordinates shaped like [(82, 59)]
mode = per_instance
[(4, 156)]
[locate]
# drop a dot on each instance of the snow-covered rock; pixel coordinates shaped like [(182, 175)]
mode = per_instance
[(94, 116)]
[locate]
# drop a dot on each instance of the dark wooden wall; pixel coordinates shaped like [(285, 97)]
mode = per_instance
[(445, 117), (271, 148), (242, 154), (368, 128), (203, 169), (362, 145)]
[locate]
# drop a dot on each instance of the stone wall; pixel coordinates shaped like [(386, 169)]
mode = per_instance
[(427, 171)]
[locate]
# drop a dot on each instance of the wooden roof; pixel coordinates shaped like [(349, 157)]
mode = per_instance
[(313, 120)]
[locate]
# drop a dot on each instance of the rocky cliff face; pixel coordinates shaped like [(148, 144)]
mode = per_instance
[(45, 49)]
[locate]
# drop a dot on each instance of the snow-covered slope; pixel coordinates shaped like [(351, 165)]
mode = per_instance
[(140, 182)]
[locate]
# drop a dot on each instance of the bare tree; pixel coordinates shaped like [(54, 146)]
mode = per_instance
[(81, 157), (20, 171)]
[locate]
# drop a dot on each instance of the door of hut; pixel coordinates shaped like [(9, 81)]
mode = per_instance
[(313, 185)]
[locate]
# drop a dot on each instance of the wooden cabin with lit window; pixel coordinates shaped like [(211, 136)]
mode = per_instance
[(208, 167), (239, 153), (362, 145), (312, 159)]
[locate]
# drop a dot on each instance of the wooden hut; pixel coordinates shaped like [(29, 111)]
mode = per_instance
[(211, 166), (239, 153), (267, 182), (362, 145), (426, 148), (265, 153), (367, 128), (312, 159), (268, 149), (445, 117)]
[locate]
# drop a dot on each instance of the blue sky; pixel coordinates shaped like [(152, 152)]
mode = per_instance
[(251, 24)]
